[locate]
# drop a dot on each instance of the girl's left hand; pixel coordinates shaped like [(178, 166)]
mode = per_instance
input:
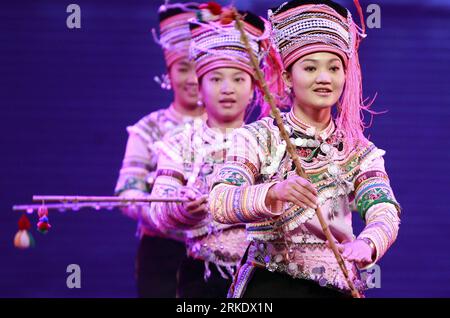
[(356, 251)]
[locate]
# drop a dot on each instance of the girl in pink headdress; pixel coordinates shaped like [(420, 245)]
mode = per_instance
[(160, 253), (316, 60), (191, 156)]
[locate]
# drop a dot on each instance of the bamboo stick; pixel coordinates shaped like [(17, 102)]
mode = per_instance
[(291, 150)]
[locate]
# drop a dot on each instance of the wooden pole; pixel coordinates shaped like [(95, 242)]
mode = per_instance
[(291, 150)]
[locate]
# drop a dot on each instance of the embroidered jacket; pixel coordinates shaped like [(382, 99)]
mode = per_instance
[(190, 158), (291, 240), (138, 169)]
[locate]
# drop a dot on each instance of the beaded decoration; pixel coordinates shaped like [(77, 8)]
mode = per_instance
[(217, 43)]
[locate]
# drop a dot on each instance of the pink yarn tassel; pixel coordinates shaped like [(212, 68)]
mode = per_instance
[(351, 106), (273, 70)]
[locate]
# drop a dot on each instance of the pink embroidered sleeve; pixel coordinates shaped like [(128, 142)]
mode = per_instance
[(376, 204), (170, 178), (235, 198), (139, 163)]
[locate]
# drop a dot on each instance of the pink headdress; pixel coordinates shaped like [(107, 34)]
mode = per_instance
[(217, 43), (303, 27), (174, 31)]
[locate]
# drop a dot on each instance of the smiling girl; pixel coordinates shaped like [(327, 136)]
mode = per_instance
[(190, 158), (288, 256), (139, 163)]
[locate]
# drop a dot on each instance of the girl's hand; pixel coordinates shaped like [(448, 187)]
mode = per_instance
[(357, 251), (294, 189), (196, 204)]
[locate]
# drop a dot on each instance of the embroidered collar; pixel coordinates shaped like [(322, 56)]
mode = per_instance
[(304, 128)]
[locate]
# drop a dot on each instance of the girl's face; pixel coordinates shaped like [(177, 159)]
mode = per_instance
[(317, 80), (226, 92), (184, 83)]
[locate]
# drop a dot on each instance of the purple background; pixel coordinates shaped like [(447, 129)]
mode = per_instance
[(66, 97)]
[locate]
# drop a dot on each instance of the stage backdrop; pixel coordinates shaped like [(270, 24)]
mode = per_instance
[(67, 95)]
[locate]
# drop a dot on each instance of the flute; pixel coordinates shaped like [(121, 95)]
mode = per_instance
[(97, 202)]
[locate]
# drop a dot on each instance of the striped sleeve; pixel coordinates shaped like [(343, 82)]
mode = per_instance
[(138, 165), (170, 178), (377, 204), (235, 196)]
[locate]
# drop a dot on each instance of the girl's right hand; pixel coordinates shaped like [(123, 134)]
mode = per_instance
[(294, 189), (196, 203)]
